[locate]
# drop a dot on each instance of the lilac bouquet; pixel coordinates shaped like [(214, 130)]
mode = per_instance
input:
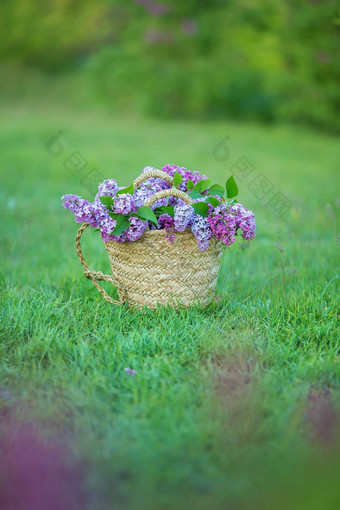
[(120, 214)]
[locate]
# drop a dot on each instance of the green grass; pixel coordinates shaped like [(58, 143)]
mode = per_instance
[(233, 406)]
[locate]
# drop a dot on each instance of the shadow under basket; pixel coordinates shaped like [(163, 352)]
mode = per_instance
[(152, 271)]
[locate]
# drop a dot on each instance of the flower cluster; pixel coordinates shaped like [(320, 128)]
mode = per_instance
[(193, 176), (120, 214), (201, 230), (183, 217), (124, 204), (226, 221), (166, 222)]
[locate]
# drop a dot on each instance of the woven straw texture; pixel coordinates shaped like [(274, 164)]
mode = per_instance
[(152, 271)]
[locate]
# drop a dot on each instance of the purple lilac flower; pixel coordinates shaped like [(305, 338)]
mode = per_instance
[(82, 209), (202, 231), (149, 188), (73, 202), (186, 174), (5, 394), (107, 188), (106, 228), (189, 26), (137, 228), (106, 225), (157, 9), (124, 204), (223, 221), (167, 223), (246, 221), (184, 215), (130, 371)]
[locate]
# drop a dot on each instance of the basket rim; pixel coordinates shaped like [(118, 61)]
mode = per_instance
[(157, 233), (160, 236)]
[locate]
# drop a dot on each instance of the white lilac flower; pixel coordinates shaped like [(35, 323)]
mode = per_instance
[(202, 231), (124, 204), (183, 217)]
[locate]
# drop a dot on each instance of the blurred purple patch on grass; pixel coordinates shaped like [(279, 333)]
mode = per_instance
[(35, 473)]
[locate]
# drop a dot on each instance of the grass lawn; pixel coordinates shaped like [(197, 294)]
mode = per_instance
[(234, 406)]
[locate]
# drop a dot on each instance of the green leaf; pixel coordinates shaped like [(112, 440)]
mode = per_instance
[(231, 187), (213, 201), (218, 190), (203, 185), (190, 185), (113, 215), (129, 190), (168, 209), (195, 194), (121, 225), (158, 212), (231, 202), (201, 208), (146, 213), (107, 201), (177, 179)]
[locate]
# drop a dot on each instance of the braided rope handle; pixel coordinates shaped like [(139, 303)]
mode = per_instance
[(153, 173), (165, 193), (169, 193), (96, 276)]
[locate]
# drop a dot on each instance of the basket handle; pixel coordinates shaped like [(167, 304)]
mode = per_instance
[(169, 193), (96, 276), (165, 193), (153, 172)]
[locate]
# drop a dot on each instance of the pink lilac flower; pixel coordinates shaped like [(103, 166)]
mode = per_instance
[(184, 215), (137, 228), (202, 231), (225, 222), (124, 204), (166, 222), (223, 226)]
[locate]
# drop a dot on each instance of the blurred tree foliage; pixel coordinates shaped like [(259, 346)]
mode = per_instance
[(246, 59)]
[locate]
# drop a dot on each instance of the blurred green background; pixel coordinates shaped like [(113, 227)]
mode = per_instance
[(231, 59), (235, 406)]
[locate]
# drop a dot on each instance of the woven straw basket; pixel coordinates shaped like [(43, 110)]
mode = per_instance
[(152, 271)]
